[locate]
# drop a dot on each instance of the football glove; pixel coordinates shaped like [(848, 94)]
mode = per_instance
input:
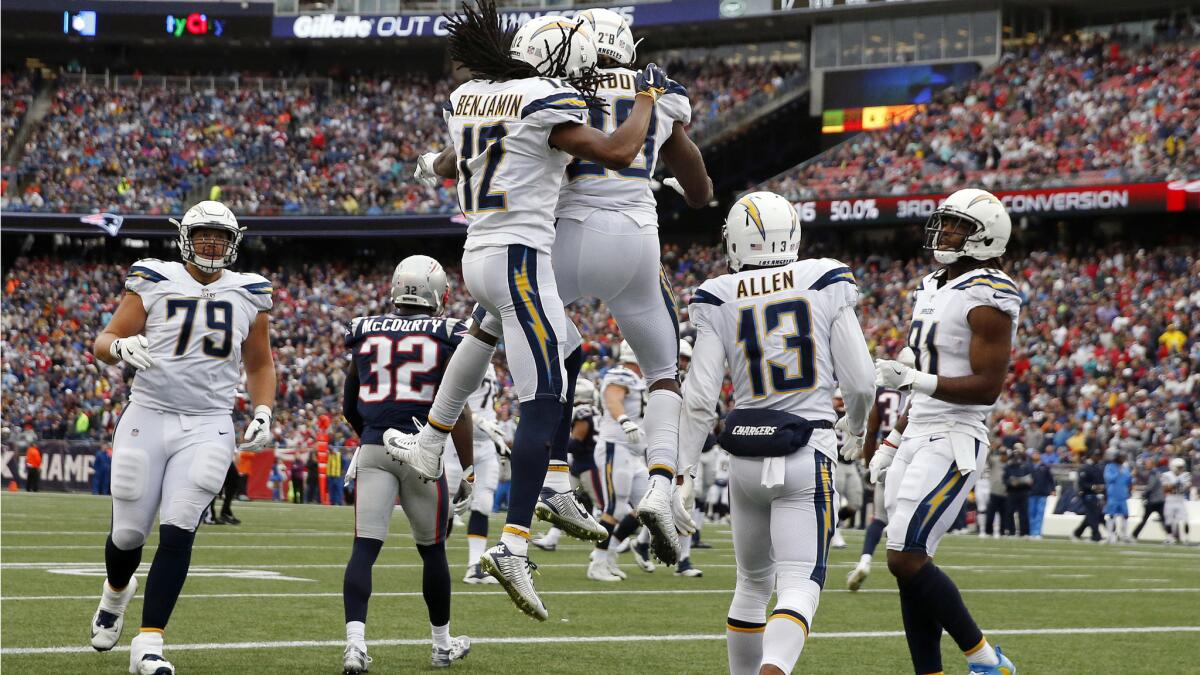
[(352, 468), (673, 183), (425, 175), (682, 503), (632, 431), (134, 350), (896, 375), (258, 432), (883, 457), (494, 433), (466, 486), (651, 81), (852, 443)]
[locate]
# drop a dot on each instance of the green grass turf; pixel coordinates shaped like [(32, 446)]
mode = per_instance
[(311, 544)]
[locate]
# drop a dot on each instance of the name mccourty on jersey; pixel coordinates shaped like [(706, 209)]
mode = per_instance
[(497, 105)]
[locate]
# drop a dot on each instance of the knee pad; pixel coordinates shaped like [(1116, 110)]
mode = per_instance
[(130, 473), (209, 466), (483, 499), (128, 539), (797, 591), (750, 597)]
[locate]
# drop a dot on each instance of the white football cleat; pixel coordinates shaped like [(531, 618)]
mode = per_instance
[(478, 576), (545, 544), (598, 570), (563, 510), (614, 569), (355, 659), (408, 449), (512, 571), (657, 515), (685, 569), (109, 618), (459, 648), (837, 541), (145, 655), (857, 576)]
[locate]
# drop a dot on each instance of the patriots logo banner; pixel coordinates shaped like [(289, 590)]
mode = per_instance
[(109, 222)]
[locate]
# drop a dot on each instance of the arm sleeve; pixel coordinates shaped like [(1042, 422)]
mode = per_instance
[(993, 291), (350, 399), (675, 103), (556, 105), (852, 364), (259, 290), (701, 390), (145, 280)]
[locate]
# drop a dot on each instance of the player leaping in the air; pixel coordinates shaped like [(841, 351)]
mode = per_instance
[(788, 331), (397, 360), (514, 128), (964, 323), (187, 328)]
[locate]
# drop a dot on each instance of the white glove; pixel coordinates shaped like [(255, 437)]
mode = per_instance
[(883, 457), (425, 175), (896, 375), (682, 503), (134, 350), (493, 432), (632, 431), (466, 486), (673, 183), (258, 432), (852, 443), (352, 468)]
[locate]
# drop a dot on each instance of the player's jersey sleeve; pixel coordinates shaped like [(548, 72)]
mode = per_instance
[(553, 102), (705, 307), (351, 330), (258, 291), (837, 283), (456, 330), (148, 279), (675, 104), (992, 288), (623, 377)]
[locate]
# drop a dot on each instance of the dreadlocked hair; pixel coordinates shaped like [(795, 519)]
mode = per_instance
[(480, 43)]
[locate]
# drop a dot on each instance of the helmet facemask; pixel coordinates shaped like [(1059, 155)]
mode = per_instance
[(228, 253), (937, 227)]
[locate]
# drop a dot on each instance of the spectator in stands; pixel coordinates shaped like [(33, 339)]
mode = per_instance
[(33, 468), (1153, 496), (1018, 480), (1043, 487), (1090, 484)]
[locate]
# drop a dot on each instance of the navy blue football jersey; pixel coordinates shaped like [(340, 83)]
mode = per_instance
[(399, 361)]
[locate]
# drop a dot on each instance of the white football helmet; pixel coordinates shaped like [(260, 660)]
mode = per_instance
[(556, 46), (991, 226), (420, 280), (685, 349), (763, 229), (613, 37), (585, 391), (1178, 464), (213, 215), (625, 353)]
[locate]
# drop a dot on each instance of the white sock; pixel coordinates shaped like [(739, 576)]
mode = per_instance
[(865, 560), (612, 552), (558, 476), (356, 632), (745, 648), (983, 655), (660, 482), (685, 546), (643, 535), (1123, 525), (476, 545), (149, 641), (464, 373), (441, 636), (516, 538), (662, 429), (552, 536), (783, 640)]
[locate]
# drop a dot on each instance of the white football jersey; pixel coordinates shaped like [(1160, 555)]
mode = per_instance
[(508, 175), (590, 187), (1179, 484), (483, 400), (195, 334), (941, 339), (635, 385), (775, 325)]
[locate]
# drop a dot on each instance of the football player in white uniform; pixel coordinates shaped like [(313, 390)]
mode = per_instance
[(187, 328), (964, 323), (490, 446), (514, 128), (788, 331), (1177, 483), (581, 447), (605, 215)]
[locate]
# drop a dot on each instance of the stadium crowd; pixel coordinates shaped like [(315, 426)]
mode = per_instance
[(1107, 356), (1067, 111), (349, 148)]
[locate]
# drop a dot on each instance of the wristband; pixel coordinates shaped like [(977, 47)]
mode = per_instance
[(263, 409), (893, 439), (925, 383)]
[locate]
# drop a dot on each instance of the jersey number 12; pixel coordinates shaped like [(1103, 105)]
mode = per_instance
[(490, 141)]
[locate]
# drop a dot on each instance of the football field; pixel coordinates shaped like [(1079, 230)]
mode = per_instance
[(265, 597)]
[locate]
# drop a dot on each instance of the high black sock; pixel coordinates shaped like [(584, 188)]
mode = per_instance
[(120, 565), (531, 456), (603, 546), (628, 525), (356, 584), (944, 603), (167, 574), (921, 629), (435, 582), (477, 524), (562, 436), (874, 534)]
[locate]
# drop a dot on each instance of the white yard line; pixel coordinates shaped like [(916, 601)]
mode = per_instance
[(292, 644)]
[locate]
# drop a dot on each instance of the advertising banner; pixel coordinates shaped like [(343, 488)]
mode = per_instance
[(67, 466)]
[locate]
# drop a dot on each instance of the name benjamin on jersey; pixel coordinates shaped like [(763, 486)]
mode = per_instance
[(765, 285), (492, 105)]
